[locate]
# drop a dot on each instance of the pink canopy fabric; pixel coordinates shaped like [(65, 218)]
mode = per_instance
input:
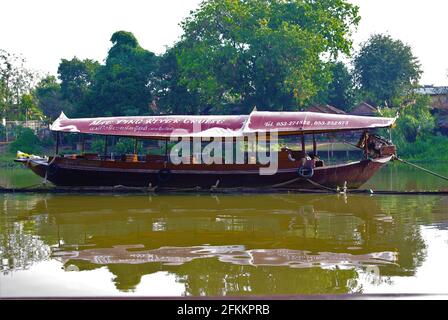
[(165, 127), (311, 122)]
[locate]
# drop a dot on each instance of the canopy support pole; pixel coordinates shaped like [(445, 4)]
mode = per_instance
[(57, 144), (166, 151), (314, 145), (106, 138), (303, 142), (83, 145), (135, 145)]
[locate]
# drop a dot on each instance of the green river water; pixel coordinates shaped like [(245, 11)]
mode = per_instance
[(225, 245)]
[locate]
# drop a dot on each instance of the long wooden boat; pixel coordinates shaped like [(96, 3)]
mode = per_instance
[(297, 169)]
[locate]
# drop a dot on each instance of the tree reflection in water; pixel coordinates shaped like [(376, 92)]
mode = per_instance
[(223, 245)]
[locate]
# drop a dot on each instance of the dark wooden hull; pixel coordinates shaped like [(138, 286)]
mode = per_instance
[(73, 172)]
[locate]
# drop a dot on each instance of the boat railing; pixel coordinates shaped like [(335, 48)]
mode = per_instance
[(285, 155)]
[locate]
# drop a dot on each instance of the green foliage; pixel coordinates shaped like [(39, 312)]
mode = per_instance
[(340, 92), (171, 95), (50, 98), (238, 54), (123, 38), (76, 78), (414, 132), (28, 108), (414, 123), (386, 70), (16, 83), (428, 148), (126, 146), (26, 141), (97, 145), (122, 85)]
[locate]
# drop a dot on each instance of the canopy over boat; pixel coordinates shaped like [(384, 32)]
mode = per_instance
[(165, 127)]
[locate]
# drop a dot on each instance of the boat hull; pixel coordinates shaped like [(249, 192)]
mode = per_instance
[(66, 172)]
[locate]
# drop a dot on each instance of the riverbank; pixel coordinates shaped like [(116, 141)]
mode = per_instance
[(432, 148), (7, 160)]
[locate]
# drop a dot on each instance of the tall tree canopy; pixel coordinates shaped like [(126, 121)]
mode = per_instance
[(386, 69), (341, 89), (267, 53), (122, 85), (171, 96), (50, 98), (16, 81), (340, 92), (76, 78)]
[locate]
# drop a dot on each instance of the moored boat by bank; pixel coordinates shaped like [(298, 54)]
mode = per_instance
[(242, 152)]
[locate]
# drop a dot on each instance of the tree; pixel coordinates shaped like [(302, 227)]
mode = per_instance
[(28, 108), (50, 99), (122, 85), (15, 81), (264, 53), (76, 78), (26, 141), (171, 96), (340, 92), (386, 70), (415, 121)]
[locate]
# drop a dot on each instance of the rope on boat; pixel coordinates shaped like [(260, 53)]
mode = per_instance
[(284, 183), (308, 180), (421, 168), (322, 186)]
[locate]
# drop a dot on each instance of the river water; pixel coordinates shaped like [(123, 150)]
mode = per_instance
[(225, 245)]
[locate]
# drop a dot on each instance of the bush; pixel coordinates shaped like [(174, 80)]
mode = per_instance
[(97, 145), (425, 149), (26, 141), (126, 146)]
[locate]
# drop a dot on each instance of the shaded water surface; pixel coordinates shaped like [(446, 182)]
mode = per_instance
[(222, 245), (233, 245)]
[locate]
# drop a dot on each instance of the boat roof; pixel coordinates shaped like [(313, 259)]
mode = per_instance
[(168, 126)]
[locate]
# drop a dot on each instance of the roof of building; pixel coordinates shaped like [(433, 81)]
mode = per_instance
[(325, 109), (432, 90), (363, 109), (443, 121)]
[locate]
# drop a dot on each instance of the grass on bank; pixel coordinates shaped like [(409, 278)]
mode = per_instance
[(431, 148), (7, 160)]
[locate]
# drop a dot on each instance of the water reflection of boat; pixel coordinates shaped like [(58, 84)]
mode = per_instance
[(253, 220), (236, 254), (220, 245)]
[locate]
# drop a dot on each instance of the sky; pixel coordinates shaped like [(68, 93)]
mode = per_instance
[(44, 31)]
